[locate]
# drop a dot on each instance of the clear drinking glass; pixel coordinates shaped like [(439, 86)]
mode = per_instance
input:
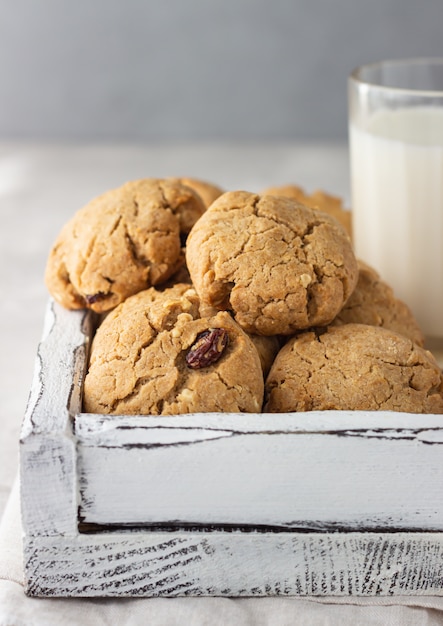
[(396, 153)]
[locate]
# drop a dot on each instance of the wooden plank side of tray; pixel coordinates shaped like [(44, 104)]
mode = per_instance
[(48, 468), (235, 564), (323, 470)]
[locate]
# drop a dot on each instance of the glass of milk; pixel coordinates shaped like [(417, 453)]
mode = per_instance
[(396, 154)]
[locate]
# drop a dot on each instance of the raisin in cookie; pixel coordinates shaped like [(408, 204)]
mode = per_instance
[(317, 200), (120, 243), (154, 355), (276, 264), (373, 302), (354, 367)]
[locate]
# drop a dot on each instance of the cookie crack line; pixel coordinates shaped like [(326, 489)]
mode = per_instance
[(108, 360), (255, 203), (140, 382), (335, 396), (147, 378), (434, 390), (138, 259), (108, 279), (310, 230), (282, 221), (164, 201), (277, 224), (136, 206), (182, 377), (391, 387), (115, 226), (83, 266), (143, 347), (231, 387), (411, 383)]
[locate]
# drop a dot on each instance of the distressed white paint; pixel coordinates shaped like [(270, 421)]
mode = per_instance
[(47, 453), (140, 563), (280, 472), (239, 494)]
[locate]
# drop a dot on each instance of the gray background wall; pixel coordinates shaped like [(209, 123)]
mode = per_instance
[(196, 69)]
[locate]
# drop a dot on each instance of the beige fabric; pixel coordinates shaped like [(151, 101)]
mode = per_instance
[(18, 610)]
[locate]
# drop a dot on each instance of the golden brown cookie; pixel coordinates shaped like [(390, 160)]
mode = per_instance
[(154, 355), (208, 192), (267, 347), (354, 367), (276, 264), (373, 302), (120, 243), (319, 199), (294, 192)]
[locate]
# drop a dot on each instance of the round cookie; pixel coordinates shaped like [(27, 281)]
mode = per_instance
[(208, 192), (120, 243), (154, 355), (373, 302), (317, 200), (354, 367), (278, 265)]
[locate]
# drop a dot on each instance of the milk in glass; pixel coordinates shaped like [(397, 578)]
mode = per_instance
[(397, 196)]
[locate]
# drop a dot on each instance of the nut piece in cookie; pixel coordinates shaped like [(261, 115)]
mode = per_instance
[(373, 302), (319, 199), (276, 264), (154, 355), (354, 367), (120, 243)]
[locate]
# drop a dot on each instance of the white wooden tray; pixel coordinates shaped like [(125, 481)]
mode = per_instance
[(320, 503)]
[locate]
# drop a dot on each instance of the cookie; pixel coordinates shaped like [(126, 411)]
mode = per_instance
[(354, 367), (208, 192), (276, 264), (154, 355), (319, 199), (120, 243), (373, 302), (287, 191), (267, 348)]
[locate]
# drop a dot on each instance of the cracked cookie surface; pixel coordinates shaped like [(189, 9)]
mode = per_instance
[(276, 264), (333, 205), (373, 302), (120, 243), (354, 367), (139, 354)]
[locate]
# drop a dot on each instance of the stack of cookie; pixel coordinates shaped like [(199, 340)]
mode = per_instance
[(236, 301)]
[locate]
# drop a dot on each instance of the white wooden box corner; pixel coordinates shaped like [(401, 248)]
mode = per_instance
[(322, 503)]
